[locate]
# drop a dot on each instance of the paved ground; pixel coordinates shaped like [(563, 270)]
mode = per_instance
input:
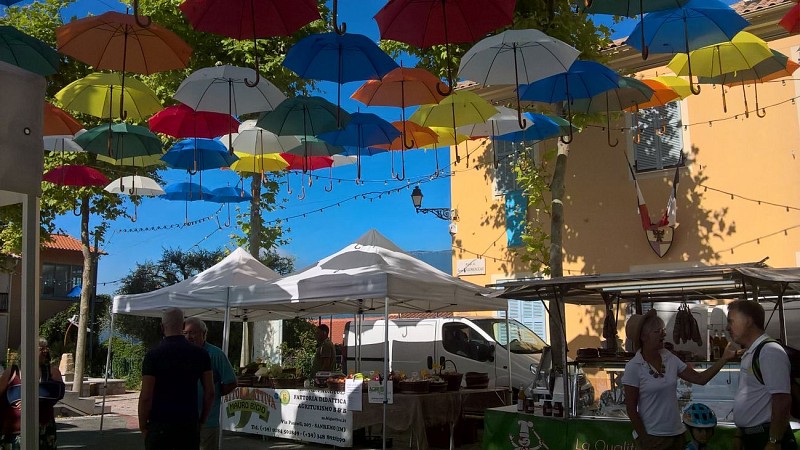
[(121, 432)]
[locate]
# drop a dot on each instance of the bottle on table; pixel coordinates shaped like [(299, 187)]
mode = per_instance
[(521, 405), (547, 408), (558, 409)]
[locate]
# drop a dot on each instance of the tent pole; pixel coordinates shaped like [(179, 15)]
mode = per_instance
[(226, 327), (508, 349), (385, 365), (108, 365)]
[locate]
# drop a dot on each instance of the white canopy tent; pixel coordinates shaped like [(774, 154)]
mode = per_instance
[(362, 277)]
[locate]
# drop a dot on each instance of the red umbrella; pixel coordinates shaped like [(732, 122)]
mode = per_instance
[(58, 122), (250, 19), (181, 121), (791, 21), (75, 176), (298, 162), (425, 23)]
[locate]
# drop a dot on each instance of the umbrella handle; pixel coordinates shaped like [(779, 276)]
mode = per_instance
[(302, 192), (340, 30), (135, 212), (588, 3), (446, 92), (329, 187), (762, 112), (255, 67), (403, 164), (569, 114), (608, 133), (138, 18)]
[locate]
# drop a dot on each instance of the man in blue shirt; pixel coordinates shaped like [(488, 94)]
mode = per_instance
[(195, 331)]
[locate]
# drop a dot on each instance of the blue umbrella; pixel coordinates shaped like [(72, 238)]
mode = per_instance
[(189, 192), (363, 130), (340, 58), (9, 2), (198, 154), (697, 24), (229, 195), (543, 128), (584, 79)]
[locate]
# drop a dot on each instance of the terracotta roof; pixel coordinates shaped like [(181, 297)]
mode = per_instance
[(746, 6), (66, 243)]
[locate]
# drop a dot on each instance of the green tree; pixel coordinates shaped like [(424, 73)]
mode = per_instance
[(557, 19)]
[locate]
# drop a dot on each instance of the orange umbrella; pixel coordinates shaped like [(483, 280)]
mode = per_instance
[(662, 94), (58, 122), (115, 41)]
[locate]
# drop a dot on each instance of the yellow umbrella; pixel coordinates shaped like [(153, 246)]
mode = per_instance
[(249, 163), (98, 94), (133, 161), (742, 52), (445, 138), (679, 85)]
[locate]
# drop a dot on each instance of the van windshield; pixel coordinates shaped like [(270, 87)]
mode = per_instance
[(523, 339)]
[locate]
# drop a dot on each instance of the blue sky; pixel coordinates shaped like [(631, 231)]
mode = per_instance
[(348, 211)]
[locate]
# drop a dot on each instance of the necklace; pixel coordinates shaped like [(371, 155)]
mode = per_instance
[(656, 373)]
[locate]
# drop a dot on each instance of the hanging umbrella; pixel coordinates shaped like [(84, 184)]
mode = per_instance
[(133, 161), (58, 122), (775, 67), (364, 130), (446, 138), (94, 95), (505, 121), (198, 154), (186, 192), (742, 52), (26, 52), (135, 185), (250, 163), (116, 41), (791, 21), (9, 2), (459, 108), (312, 146), (419, 135), (402, 87), (250, 19), (61, 143), (677, 84), (120, 140), (662, 94), (72, 175), (340, 58), (542, 127), (584, 79), (228, 195), (516, 57), (224, 89), (181, 121), (629, 92), (304, 164), (254, 140), (631, 8), (697, 24), (425, 23), (303, 116)]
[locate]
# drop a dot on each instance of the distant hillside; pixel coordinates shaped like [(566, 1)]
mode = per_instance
[(441, 259)]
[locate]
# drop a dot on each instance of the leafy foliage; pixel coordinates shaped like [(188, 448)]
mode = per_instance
[(299, 345)]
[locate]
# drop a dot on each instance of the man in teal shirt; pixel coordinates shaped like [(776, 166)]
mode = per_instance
[(195, 331)]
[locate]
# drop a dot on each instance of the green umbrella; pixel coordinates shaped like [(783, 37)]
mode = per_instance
[(125, 141), (629, 93), (27, 52), (303, 116)]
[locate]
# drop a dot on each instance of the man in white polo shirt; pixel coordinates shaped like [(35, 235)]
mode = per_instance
[(760, 410)]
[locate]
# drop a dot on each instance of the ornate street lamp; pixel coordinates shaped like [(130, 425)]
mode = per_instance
[(442, 213)]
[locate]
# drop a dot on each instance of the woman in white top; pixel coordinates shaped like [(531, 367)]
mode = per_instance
[(651, 381)]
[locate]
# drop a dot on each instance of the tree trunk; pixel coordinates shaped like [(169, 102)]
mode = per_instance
[(87, 290), (557, 188)]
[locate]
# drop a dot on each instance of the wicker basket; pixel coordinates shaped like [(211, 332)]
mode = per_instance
[(477, 380), (453, 380), (414, 387)]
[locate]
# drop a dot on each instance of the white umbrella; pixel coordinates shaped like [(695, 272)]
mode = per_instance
[(223, 89), (505, 121), (61, 143), (516, 57), (135, 185), (255, 140)]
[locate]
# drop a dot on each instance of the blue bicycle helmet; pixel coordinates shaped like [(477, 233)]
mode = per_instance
[(698, 415)]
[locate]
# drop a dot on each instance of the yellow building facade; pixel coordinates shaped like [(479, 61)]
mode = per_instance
[(738, 199)]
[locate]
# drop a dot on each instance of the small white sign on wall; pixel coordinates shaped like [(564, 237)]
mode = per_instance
[(470, 267)]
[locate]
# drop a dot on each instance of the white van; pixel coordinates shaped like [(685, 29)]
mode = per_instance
[(465, 344)]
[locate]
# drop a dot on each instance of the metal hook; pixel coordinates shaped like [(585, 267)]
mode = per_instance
[(138, 18), (329, 188), (135, 212), (227, 222), (302, 193), (403, 165), (340, 30)]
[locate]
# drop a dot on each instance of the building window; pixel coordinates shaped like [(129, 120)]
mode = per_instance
[(59, 279), (659, 141), (506, 153)]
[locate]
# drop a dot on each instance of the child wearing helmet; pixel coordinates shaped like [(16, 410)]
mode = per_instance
[(700, 421)]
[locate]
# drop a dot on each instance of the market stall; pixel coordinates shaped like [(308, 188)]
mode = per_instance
[(606, 424)]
